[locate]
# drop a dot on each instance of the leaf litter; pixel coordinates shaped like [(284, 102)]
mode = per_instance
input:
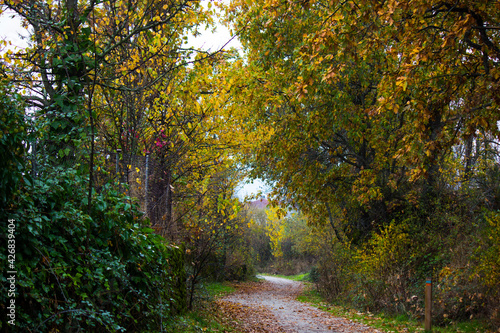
[(271, 306)]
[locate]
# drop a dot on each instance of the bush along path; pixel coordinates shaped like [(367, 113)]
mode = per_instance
[(271, 306)]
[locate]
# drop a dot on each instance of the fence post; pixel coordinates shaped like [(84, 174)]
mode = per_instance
[(146, 185), (428, 304)]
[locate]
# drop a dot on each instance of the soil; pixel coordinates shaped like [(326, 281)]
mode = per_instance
[(271, 306)]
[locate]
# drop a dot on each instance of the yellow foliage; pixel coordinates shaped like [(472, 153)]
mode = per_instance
[(275, 229), (489, 265), (386, 250)]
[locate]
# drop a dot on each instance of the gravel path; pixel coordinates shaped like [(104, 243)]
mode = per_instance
[(271, 307)]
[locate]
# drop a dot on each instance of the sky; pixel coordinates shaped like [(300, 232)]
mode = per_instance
[(10, 29), (213, 41), (251, 188)]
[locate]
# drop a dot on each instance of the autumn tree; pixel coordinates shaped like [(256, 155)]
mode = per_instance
[(215, 232), (259, 238), (360, 107), (101, 57), (317, 135)]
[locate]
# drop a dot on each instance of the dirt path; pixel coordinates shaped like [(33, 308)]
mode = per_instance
[(271, 307)]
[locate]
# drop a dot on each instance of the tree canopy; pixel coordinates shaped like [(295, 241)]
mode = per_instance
[(365, 107)]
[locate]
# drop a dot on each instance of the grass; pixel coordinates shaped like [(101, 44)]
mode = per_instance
[(205, 319), (219, 289)]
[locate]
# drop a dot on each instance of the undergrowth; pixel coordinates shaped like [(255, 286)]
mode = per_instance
[(201, 319), (205, 316), (384, 321)]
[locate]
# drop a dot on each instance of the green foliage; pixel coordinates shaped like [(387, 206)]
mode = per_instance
[(260, 242), (379, 119), (99, 271), (12, 134), (388, 272), (385, 267), (488, 268), (335, 272), (106, 75), (282, 244), (217, 234), (458, 295), (261, 245)]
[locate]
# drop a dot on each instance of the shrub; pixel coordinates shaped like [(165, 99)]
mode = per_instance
[(385, 268), (334, 273), (457, 295), (12, 135), (98, 270), (488, 268)]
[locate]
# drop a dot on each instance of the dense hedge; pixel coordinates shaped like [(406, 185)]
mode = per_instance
[(103, 271), (78, 269)]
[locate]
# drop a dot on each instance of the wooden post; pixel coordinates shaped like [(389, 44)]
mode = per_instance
[(428, 304)]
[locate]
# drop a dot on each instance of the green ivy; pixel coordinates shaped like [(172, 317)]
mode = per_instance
[(12, 133), (102, 270)]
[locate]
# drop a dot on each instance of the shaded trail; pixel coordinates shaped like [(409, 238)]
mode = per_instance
[(271, 307)]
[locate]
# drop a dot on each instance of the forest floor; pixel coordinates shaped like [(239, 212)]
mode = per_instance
[(271, 306)]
